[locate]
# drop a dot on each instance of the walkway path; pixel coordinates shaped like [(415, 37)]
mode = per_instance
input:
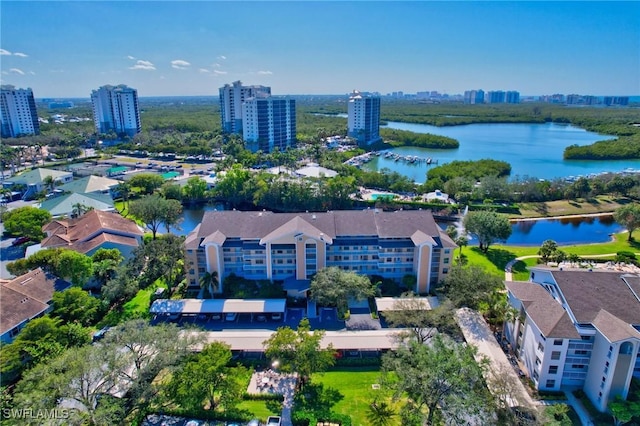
[(477, 332), (270, 381), (585, 417)]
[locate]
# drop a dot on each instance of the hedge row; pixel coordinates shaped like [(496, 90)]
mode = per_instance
[(309, 418)]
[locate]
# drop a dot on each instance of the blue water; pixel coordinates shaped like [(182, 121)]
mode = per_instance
[(533, 150), (563, 231), (191, 217)]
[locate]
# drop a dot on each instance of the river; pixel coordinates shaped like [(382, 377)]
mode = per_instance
[(533, 150)]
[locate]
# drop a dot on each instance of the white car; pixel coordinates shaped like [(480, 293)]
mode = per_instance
[(274, 421)]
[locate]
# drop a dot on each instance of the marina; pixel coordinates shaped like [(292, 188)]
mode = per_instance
[(359, 160)]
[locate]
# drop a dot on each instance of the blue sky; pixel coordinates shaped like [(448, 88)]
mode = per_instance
[(67, 49)]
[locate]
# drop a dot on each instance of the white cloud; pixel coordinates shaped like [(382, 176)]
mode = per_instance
[(264, 73), (179, 64), (216, 65), (131, 57), (219, 72), (57, 71), (32, 73), (4, 52), (22, 55), (222, 57), (204, 70), (143, 65), (16, 71)]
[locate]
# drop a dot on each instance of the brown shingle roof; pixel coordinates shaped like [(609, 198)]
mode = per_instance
[(87, 246), (27, 296), (257, 225), (96, 220), (543, 310), (613, 328), (587, 293)]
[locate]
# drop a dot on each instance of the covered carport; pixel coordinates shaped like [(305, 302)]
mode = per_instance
[(192, 307)]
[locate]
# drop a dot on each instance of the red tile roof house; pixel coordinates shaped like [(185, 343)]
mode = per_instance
[(92, 231), (24, 298)]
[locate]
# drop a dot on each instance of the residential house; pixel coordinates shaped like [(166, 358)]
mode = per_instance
[(578, 329), (67, 205), (33, 181), (92, 231), (24, 298), (91, 184)]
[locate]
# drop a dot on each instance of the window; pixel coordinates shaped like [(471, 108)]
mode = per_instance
[(445, 270), (537, 361), (551, 383), (540, 347), (555, 355), (446, 260), (557, 342), (553, 369)]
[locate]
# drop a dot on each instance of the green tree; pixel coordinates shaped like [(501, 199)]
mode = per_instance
[(155, 210), (380, 413), (623, 411), (629, 217), (123, 190), (26, 221), (470, 285), (195, 189), (207, 380), (75, 266), (333, 287), (75, 305), (414, 314), (49, 183), (442, 376), (547, 250), (299, 351), (209, 283), (488, 227), (171, 191), (85, 376), (147, 182), (231, 187)]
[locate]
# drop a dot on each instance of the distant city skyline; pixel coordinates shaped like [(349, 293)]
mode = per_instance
[(67, 49)]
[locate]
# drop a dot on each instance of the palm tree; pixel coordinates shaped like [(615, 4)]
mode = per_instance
[(49, 183), (123, 189), (79, 209), (380, 413), (209, 284)]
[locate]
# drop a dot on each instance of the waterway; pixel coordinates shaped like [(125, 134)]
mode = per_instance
[(533, 150), (575, 230)]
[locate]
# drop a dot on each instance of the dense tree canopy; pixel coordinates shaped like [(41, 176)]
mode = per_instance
[(75, 305), (629, 217), (154, 210), (147, 182), (299, 350), (441, 378), (470, 285), (26, 221), (333, 287), (488, 227)]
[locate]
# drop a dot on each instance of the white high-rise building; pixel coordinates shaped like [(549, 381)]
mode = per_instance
[(18, 112), (115, 108), (232, 97), (364, 118), (268, 123)]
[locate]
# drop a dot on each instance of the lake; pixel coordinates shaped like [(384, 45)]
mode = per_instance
[(533, 150), (596, 229)]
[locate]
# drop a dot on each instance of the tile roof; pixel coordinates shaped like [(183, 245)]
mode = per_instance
[(548, 315), (94, 228)]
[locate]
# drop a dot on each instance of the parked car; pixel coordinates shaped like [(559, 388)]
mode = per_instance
[(99, 335), (276, 317), (230, 317), (216, 316), (274, 421), (20, 240)]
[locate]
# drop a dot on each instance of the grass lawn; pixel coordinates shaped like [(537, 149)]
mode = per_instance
[(259, 409), (600, 204), (355, 385), (138, 307), (498, 256)]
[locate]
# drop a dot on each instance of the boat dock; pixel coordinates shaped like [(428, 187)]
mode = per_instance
[(411, 159)]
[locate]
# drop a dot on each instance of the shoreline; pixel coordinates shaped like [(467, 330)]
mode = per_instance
[(569, 216)]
